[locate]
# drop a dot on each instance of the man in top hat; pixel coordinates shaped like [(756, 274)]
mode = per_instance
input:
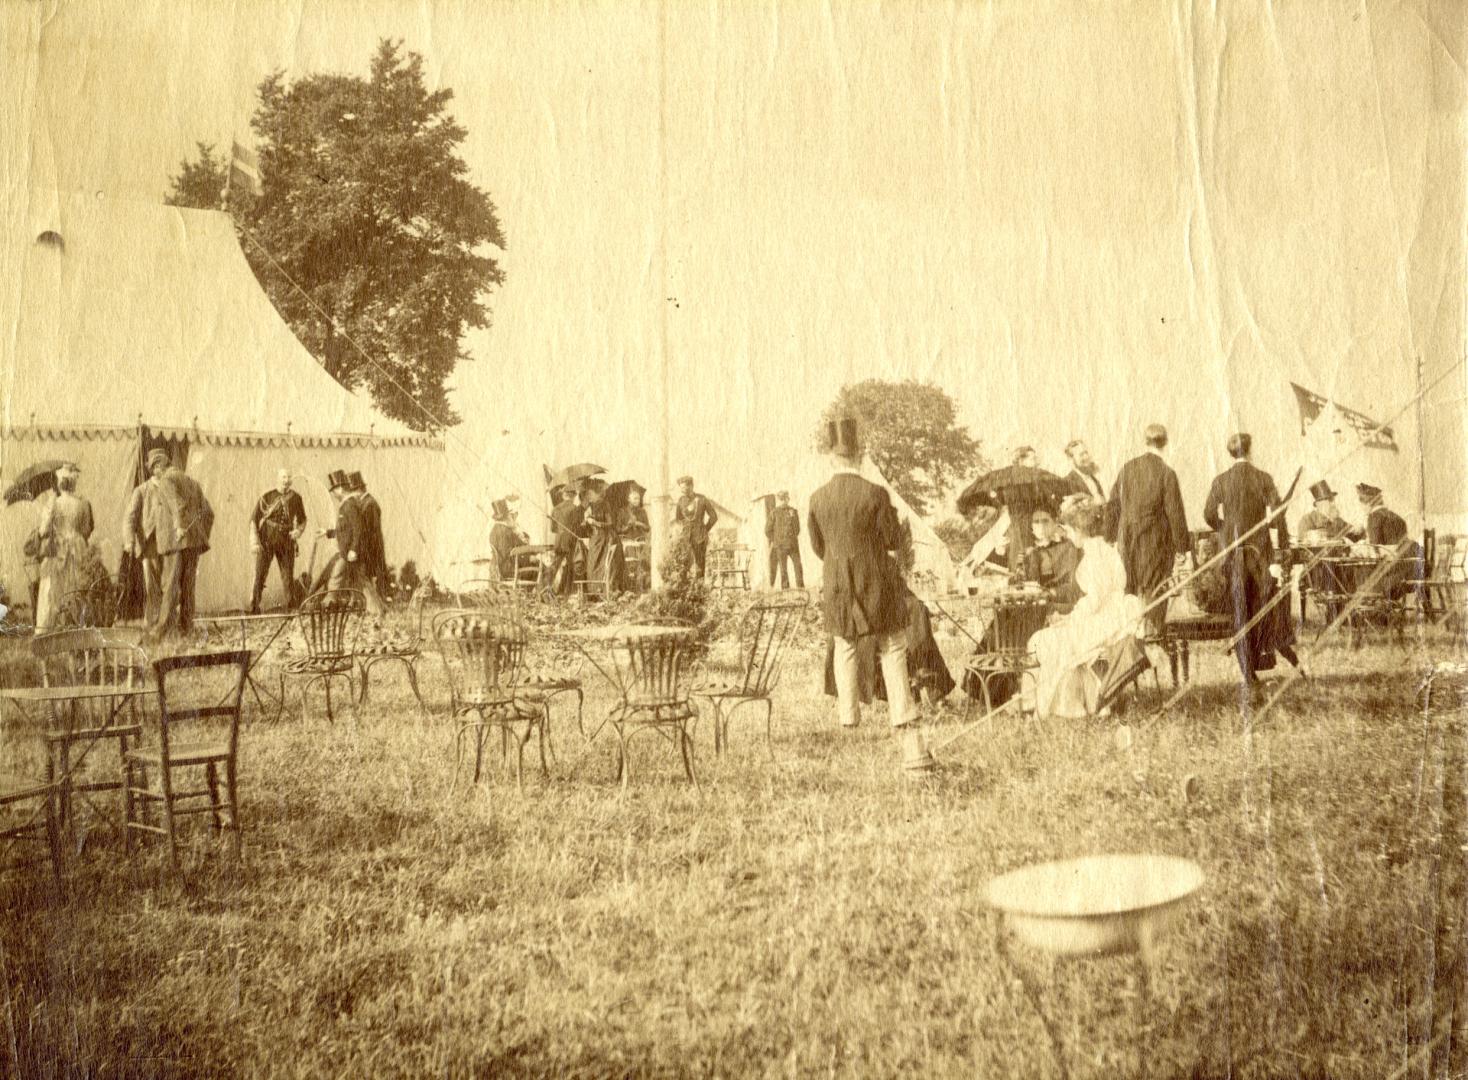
[(696, 515), (374, 558), (1325, 520), (1145, 520), (278, 520), (782, 530), (345, 569), (179, 519), (1240, 499), (504, 538), (854, 531), (1084, 476)]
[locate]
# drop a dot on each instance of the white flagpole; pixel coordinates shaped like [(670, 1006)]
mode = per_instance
[(661, 518)]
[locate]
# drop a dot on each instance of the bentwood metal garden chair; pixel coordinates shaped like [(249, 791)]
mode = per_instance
[(650, 672), (483, 657), (328, 624), (402, 645), (763, 635)]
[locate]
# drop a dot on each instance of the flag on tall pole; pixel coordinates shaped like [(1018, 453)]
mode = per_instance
[(244, 172), (1315, 408)]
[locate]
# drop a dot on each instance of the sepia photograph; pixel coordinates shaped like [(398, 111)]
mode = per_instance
[(659, 538)]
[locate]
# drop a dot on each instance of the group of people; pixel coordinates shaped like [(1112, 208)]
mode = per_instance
[(1107, 559)]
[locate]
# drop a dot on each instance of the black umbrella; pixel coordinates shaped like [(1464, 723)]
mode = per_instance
[(33, 481), (616, 496), (1019, 487), (573, 473)]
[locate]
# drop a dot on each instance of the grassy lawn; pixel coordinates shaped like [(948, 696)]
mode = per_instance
[(821, 915)]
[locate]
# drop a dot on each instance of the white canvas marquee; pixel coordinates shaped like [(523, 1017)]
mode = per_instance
[(128, 321), (930, 554)]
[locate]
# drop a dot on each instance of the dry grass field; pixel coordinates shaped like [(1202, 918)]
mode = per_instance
[(821, 915)]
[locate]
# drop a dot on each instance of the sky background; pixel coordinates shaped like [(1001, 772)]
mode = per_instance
[(1075, 217)]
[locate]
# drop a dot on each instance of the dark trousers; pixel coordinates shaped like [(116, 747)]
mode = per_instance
[(700, 556), (176, 607), (779, 557), (564, 563), (284, 555)]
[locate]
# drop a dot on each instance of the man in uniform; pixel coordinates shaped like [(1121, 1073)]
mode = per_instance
[(782, 530), (179, 518), (1388, 529), (1145, 520), (854, 531), (275, 526), (697, 517)]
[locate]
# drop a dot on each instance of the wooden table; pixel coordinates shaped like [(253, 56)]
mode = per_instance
[(55, 700)]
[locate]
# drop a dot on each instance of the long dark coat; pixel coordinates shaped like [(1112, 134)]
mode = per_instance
[(1146, 521), (853, 530), (1239, 500)]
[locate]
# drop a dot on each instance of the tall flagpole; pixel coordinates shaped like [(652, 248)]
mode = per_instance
[(661, 524)]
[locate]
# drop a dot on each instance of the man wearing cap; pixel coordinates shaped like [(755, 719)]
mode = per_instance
[(504, 538), (854, 531), (697, 517), (1145, 520), (782, 530), (1238, 501), (1388, 529), (275, 526), (178, 517), (374, 557)]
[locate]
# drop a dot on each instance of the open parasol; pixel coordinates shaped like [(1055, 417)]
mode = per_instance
[(572, 474), (34, 480), (1014, 486), (617, 494)]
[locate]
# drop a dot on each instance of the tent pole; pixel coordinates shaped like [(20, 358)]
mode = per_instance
[(1421, 448), (661, 512)]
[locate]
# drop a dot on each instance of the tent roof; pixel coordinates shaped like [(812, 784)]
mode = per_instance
[(119, 313)]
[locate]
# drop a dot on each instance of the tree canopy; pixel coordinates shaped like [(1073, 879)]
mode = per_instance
[(365, 232), (911, 430)]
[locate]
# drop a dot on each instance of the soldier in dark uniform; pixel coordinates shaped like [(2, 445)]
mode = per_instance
[(697, 518), (854, 531), (1146, 521), (1388, 529), (782, 530), (1238, 501), (275, 526)]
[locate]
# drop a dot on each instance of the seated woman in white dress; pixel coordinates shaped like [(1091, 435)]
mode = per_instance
[(1099, 626)]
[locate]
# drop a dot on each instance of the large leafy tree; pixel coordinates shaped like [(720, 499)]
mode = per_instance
[(366, 231), (911, 430)]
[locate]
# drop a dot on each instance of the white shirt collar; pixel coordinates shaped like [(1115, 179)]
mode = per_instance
[(854, 470), (1154, 450)]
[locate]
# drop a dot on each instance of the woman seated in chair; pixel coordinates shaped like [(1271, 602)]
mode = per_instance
[(1103, 625)]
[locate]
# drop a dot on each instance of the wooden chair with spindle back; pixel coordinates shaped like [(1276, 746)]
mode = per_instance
[(87, 657), (184, 743)]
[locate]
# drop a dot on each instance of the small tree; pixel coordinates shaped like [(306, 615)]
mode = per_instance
[(200, 183), (911, 430)]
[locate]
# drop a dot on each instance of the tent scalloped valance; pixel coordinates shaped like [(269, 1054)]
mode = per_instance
[(222, 438)]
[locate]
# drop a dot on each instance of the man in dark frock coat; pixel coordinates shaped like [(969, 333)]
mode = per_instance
[(1239, 500), (854, 531), (1145, 520)]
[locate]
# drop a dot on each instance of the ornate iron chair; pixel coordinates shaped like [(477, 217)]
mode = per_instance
[(483, 657), (1004, 650), (88, 658), (763, 634), (402, 646), (483, 594), (649, 671), (328, 623), (200, 747)]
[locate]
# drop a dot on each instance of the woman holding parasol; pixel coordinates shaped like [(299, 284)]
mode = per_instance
[(1020, 488)]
